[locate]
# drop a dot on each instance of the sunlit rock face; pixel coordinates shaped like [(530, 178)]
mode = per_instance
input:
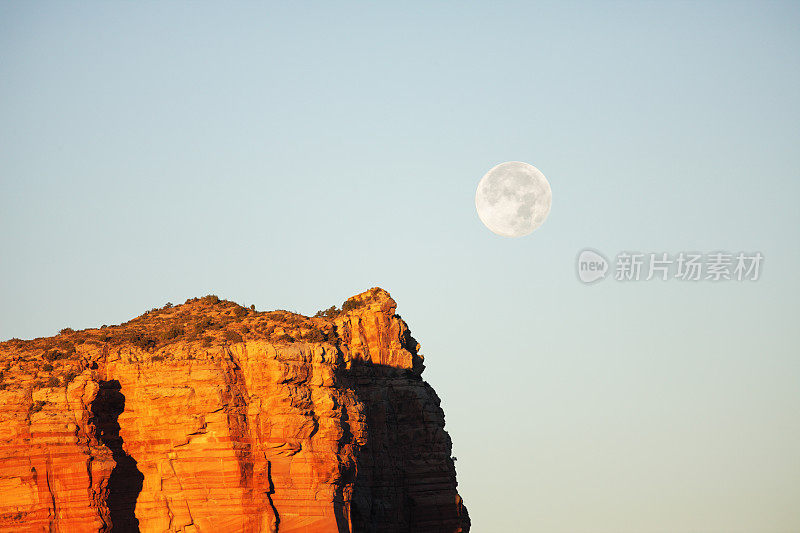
[(209, 416)]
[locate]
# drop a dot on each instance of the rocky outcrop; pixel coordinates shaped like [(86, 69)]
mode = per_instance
[(212, 417)]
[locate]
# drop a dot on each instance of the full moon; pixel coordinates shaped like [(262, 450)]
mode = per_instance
[(513, 199)]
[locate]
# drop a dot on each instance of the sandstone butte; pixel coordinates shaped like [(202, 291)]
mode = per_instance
[(212, 417)]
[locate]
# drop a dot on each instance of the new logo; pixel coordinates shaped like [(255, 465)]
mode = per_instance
[(591, 266)]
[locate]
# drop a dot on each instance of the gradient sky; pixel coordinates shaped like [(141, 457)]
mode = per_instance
[(292, 155)]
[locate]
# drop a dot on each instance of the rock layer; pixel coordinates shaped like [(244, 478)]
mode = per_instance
[(212, 417)]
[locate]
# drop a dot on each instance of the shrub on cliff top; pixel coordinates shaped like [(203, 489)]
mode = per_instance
[(330, 312), (172, 332), (232, 336), (54, 355), (351, 304), (138, 338), (66, 346), (313, 335), (202, 324)]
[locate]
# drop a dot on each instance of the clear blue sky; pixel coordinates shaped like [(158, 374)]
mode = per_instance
[(291, 155)]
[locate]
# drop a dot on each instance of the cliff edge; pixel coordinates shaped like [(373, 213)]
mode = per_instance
[(209, 416)]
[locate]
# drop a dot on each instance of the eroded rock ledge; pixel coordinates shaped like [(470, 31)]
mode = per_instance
[(209, 417)]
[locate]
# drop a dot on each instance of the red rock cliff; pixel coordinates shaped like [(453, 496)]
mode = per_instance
[(211, 417)]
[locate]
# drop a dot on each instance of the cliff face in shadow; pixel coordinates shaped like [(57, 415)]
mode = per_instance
[(125, 482), (212, 417)]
